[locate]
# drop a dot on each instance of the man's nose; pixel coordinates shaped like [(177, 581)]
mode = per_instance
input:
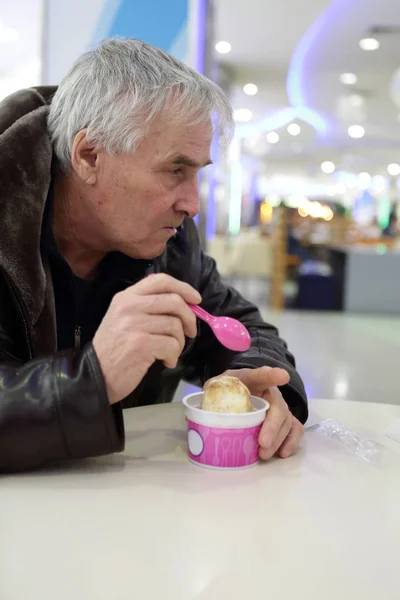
[(188, 199)]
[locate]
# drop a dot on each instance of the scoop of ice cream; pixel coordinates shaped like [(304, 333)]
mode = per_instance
[(226, 394)]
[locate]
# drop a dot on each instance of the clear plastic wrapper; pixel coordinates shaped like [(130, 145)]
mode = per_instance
[(357, 445), (394, 431)]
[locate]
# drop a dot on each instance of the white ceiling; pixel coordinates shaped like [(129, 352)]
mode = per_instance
[(265, 35), (25, 17), (20, 60)]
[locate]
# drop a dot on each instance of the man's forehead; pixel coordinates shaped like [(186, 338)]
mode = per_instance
[(182, 144), (171, 131)]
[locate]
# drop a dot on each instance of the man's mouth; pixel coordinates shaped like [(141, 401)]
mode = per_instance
[(175, 227)]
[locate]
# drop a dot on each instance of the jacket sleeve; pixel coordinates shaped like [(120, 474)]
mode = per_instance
[(208, 358), (55, 408)]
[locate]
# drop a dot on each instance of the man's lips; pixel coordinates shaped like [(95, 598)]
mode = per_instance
[(170, 231), (173, 226)]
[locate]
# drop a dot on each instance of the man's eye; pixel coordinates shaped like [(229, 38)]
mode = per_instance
[(176, 172)]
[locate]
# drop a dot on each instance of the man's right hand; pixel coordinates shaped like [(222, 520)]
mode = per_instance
[(146, 322)]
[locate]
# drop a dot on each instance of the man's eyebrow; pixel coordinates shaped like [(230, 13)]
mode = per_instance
[(188, 162)]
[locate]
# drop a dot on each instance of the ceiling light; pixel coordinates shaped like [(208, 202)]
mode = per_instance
[(351, 180), (394, 169), (356, 131), (369, 44), (273, 137), (242, 115), (328, 167), (223, 47), (294, 129), (348, 78), (303, 212), (380, 184), (250, 89), (274, 200), (364, 180), (315, 210), (8, 35)]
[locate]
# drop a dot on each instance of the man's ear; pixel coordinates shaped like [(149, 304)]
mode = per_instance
[(85, 158)]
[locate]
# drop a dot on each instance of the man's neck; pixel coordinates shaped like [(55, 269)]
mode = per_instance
[(73, 238)]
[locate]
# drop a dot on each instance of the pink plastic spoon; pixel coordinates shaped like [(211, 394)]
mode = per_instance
[(229, 332)]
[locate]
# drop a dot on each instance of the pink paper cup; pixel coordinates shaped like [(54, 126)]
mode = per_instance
[(223, 440)]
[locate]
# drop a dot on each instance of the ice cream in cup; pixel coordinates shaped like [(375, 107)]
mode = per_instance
[(224, 423)]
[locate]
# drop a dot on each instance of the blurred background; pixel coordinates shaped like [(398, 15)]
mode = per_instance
[(302, 210)]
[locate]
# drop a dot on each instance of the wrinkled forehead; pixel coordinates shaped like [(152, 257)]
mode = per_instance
[(165, 137), (167, 126)]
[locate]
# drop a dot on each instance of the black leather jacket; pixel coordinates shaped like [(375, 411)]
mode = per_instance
[(53, 405)]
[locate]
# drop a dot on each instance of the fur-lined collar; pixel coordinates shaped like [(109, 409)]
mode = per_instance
[(25, 173)]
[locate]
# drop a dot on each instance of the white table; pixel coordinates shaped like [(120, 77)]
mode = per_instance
[(149, 525)]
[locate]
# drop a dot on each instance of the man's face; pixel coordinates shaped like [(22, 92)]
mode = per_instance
[(140, 199)]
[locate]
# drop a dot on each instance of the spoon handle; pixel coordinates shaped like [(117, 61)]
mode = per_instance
[(201, 313)]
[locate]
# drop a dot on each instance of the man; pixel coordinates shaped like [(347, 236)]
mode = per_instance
[(99, 188)]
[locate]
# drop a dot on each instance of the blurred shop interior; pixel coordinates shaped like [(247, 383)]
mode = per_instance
[(302, 209), (313, 172)]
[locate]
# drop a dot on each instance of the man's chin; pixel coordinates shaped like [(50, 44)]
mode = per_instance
[(148, 253)]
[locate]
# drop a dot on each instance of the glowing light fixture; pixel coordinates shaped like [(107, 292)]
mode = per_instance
[(351, 181), (223, 47), (303, 211), (328, 167), (273, 137), (297, 80), (356, 131), (236, 187), (327, 213), (380, 184), (348, 78), (369, 44), (235, 201), (294, 129), (274, 200), (250, 89), (364, 181), (315, 210), (394, 169), (384, 208), (266, 211)]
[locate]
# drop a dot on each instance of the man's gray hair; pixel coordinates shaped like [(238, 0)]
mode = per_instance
[(116, 90)]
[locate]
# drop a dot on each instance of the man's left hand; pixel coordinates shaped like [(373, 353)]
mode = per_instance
[(281, 432)]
